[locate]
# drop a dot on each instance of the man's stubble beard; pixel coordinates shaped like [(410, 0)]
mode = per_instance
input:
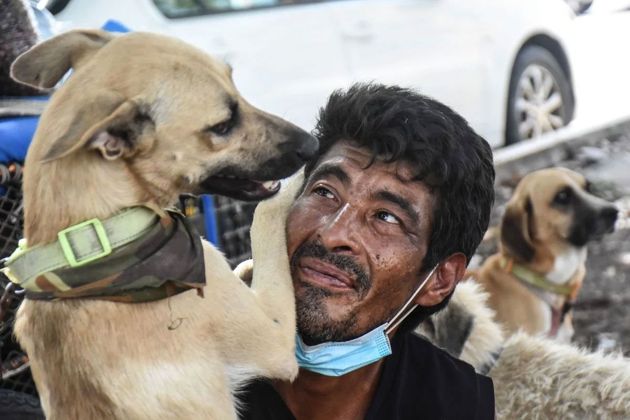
[(314, 323), (313, 320)]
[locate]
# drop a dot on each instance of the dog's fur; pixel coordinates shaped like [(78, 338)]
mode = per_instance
[(143, 118), (534, 377), (545, 228)]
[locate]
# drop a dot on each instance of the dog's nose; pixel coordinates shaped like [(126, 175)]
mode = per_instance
[(308, 146), (609, 215)]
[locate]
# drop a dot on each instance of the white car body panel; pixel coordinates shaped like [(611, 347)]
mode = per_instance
[(288, 59)]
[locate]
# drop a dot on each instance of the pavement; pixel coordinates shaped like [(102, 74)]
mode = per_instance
[(602, 311)]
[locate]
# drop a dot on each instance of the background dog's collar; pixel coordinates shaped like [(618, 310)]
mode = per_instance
[(534, 279)]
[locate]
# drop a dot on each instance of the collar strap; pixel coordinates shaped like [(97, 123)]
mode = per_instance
[(409, 306), (78, 245), (534, 279)]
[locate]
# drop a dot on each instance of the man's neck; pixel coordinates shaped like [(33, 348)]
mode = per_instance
[(315, 396)]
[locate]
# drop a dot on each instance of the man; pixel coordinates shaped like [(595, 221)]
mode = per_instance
[(388, 217)]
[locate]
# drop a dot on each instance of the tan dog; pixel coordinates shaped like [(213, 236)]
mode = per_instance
[(538, 272), (143, 118)]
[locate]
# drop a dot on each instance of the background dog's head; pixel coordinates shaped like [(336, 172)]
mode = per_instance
[(161, 109), (552, 209)]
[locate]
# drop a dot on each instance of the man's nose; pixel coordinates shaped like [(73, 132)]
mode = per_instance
[(339, 232)]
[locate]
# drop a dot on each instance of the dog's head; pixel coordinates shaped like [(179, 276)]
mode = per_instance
[(166, 110), (553, 207)]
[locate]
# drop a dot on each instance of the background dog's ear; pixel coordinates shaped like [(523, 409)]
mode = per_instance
[(107, 123), (45, 64), (515, 230)]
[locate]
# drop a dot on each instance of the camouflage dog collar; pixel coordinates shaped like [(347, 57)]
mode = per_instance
[(165, 260)]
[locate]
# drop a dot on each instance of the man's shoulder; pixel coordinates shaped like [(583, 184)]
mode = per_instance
[(432, 381), (427, 355), (428, 360)]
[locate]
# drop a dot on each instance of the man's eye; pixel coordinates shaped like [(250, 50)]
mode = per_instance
[(387, 217), (324, 192)]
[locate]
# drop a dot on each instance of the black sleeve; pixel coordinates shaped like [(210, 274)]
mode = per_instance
[(420, 380), (485, 398)]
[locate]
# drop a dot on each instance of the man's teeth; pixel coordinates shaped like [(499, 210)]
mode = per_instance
[(271, 185)]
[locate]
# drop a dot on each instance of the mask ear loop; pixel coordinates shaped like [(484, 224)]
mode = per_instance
[(406, 309)]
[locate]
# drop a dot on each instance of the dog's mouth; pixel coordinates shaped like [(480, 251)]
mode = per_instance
[(239, 188)]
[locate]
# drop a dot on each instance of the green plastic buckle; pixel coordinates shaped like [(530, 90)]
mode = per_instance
[(99, 229)]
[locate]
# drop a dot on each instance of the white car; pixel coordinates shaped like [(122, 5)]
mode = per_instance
[(514, 69)]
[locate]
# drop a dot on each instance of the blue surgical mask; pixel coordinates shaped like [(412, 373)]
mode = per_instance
[(337, 358)]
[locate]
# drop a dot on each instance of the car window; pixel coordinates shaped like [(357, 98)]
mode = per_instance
[(184, 8)]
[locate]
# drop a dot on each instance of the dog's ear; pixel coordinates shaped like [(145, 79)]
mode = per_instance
[(515, 230), (45, 64), (107, 123)]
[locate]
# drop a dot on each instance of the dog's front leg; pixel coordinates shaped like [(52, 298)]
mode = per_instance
[(271, 280), (261, 318)]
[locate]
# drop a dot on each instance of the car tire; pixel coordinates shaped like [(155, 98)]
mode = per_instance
[(19, 406), (540, 96)]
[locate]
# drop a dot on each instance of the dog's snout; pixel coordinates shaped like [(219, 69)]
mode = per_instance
[(307, 148), (609, 215)]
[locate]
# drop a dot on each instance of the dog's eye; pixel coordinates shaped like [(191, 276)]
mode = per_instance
[(563, 197), (224, 127)]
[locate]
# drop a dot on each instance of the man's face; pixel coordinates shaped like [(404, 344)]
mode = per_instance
[(357, 237)]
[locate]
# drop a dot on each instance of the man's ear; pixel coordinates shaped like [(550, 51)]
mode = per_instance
[(45, 64), (443, 282), (107, 123)]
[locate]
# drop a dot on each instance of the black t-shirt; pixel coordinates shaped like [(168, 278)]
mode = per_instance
[(418, 381)]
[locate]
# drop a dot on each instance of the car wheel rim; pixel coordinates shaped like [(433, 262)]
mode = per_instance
[(539, 106)]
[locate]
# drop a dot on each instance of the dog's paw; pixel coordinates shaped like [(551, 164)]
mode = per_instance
[(288, 369), (271, 214), (245, 271)]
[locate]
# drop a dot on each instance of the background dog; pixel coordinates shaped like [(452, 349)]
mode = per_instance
[(538, 272), (141, 119)]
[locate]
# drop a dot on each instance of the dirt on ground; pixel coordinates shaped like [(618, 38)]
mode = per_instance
[(602, 311)]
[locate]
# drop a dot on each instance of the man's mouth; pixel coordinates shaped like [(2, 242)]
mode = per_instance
[(322, 274)]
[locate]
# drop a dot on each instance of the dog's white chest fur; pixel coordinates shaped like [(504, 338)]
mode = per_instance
[(566, 264)]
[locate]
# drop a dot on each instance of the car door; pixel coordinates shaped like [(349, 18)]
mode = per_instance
[(601, 67), (286, 56), (435, 46)]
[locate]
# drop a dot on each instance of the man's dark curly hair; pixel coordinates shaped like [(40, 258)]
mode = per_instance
[(398, 124)]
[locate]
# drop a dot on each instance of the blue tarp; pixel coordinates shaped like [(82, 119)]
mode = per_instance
[(15, 136)]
